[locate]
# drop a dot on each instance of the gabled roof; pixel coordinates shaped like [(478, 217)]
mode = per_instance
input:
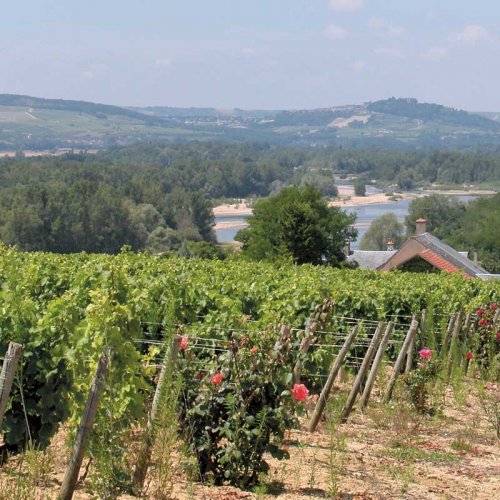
[(370, 259), (437, 253)]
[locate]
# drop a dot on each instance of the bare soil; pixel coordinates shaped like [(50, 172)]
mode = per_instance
[(387, 452)]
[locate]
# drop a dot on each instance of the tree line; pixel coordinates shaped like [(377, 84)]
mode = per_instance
[(159, 196)]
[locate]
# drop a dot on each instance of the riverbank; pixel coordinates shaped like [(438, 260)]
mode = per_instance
[(346, 199)]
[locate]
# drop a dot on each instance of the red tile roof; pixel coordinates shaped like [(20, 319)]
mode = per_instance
[(438, 261)]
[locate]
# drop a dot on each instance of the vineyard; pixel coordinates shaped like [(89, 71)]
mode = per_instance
[(253, 342)]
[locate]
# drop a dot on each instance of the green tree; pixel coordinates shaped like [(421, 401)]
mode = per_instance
[(359, 187), (298, 224), (442, 214), (384, 228), (478, 229)]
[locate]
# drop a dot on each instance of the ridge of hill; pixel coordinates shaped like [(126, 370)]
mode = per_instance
[(33, 123)]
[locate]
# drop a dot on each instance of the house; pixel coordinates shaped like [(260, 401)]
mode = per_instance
[(421, 253)]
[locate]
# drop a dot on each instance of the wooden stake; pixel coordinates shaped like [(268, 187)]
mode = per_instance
[(467, 323), (376, 364), (449, 332), (147, 444), (7, 376), (399, 361), (311, 327), (283, 338), (409, 354), (73, 469), (456, 332), (321, 404), (346, 410)]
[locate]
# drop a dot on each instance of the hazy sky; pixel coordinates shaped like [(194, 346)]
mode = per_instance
[(253, 53)]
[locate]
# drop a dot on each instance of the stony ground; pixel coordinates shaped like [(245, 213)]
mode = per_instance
[(387, 452)]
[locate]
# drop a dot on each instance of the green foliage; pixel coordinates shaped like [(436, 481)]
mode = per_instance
[(359, 187), (442, 214), (476, 229), (381, 230), (235, 407), (486, 341), (417, 383), (297, 224), (65, 309)]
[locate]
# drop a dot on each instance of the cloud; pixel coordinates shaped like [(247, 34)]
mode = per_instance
[(88, 75), (389, 53), (384, 28), (472, 34), (335, 32), (358, 65), (435, 53), (163, 63), (346, 5)]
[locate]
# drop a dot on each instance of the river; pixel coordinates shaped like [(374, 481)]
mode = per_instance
[(366, 214)]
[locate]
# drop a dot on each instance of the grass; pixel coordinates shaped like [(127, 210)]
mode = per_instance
[(411, 453)]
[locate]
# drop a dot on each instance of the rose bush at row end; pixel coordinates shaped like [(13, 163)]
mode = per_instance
[(235, 406)]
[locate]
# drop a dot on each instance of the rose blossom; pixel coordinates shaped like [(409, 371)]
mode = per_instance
[(498, 336), (183, 343), (469, 355), (425, 353), (481, 322), (493, 307), (300, 392), (217, 378), (480, 311)]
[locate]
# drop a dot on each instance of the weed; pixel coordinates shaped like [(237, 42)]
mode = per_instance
[(461, 445), (404, 473), (338, 446), (490, 403)]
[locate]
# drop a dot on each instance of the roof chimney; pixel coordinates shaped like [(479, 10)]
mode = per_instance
[(390, 245), (420, 226), (347, 248)]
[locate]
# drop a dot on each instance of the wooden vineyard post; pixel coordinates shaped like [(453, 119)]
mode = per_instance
[(283, 338), (466, 329), (321, 404), (320, 314), (147, 443), (449, 332), (346, 410), (409, 355), (376, 364), (7, 377), (456, 331), (82, 434), (399, 361)]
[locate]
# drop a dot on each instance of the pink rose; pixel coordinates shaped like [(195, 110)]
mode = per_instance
[(481, 322), (425, 353), (469, 355), (480, 311), (300, 392), (183, 343), (217, 378)]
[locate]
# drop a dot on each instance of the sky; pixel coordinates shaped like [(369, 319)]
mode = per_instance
[(253, 54)]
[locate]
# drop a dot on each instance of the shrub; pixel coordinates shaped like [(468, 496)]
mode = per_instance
[(236, 406), (487, 340), (417, 381)]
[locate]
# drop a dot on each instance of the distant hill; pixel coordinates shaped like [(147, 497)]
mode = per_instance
[(33, 123)]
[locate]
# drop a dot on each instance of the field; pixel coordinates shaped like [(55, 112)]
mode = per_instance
[(67, 311)]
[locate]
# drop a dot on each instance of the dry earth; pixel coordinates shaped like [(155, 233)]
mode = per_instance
[(388, 452)]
